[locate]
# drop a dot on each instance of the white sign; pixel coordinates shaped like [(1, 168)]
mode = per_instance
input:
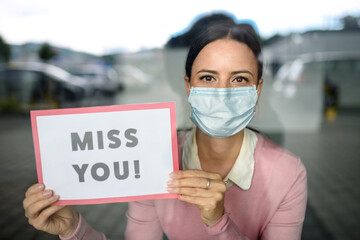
[(106, 154)]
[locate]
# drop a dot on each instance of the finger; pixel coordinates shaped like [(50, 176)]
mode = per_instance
[(35, 197), (48, 212), (197, 182), (36, 208), (193, 192), (42, 219), (34, 189), (194, 173), (201, 202)]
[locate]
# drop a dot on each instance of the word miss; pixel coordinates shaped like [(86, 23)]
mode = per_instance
[(112, 139)]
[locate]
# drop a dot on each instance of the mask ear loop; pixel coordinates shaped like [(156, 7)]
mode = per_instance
[(257, 92), (190, 87)]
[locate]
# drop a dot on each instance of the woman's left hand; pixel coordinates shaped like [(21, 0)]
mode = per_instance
[(206, 190)]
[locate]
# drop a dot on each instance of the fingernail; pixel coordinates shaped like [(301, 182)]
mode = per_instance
[(170, 183), (39, 187), (47, 193), (53, 198), (172, 174), (170, 190)]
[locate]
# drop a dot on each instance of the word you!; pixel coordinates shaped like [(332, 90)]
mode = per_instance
[(101, 171)]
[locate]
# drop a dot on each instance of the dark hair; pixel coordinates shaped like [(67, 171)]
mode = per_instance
[(243, 33), (185, 39)]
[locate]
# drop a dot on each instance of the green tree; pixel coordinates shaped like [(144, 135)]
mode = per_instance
[(5, 51), (46, 52)]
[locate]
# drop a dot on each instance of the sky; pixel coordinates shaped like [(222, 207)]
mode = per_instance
[(101, 27)]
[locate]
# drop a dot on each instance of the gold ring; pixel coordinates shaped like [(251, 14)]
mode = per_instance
[(208, 183)]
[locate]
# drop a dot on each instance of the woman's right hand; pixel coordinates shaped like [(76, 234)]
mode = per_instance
[(56, 219)]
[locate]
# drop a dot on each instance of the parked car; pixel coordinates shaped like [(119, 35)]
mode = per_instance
[(27, 85), (104, 79), (133, 77)]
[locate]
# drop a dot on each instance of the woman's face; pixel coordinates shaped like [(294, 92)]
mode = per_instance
[(224, 63)]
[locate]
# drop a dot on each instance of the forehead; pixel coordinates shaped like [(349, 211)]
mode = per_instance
[(226, 55)]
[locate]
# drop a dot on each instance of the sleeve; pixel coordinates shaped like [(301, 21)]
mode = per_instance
[(84, 232), (143, 222), (288, 220), (225, 229)]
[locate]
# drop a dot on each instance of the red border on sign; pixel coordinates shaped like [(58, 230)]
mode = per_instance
[(134, 107)]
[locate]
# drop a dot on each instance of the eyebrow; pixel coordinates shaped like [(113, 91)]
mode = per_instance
[(232, 73), (207, 71), (242, 71)]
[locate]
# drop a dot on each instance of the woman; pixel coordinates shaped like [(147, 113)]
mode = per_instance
[(234, 184)]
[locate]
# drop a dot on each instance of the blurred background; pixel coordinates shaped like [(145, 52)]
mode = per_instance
[(60, 54)]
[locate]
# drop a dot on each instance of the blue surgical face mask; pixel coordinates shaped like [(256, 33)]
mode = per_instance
[(222, 112)]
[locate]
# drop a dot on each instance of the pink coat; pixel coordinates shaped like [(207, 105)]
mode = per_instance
[(273, 207)]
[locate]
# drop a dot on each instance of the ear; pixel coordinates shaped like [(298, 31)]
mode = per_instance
[(187, 84), (259, 88)]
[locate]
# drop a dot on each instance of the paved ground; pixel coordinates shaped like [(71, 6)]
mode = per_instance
[(331, 157)]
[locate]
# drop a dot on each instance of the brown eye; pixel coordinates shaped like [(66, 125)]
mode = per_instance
[(241, 79), (207, 78)]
